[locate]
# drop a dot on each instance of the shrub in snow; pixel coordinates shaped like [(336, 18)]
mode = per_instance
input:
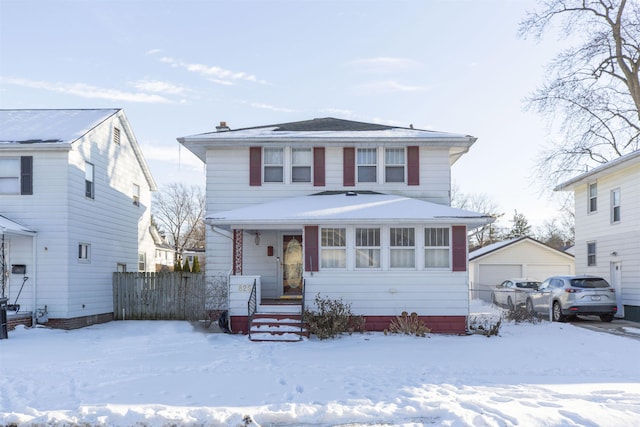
[(408, 325), (486, 324), (521, 314), (332, 318)]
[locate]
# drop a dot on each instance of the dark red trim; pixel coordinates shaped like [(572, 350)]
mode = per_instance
[(459, 247), (310, 248), (349, 166), (255, 166), (413, 165), (318, 167)]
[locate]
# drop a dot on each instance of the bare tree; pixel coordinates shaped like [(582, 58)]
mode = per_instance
[(179, 211), (487, 234), (592, 95)]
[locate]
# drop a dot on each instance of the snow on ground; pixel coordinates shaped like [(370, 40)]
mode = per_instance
[(162, 373)]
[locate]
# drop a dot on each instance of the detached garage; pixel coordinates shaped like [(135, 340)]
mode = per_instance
[(522, 257)]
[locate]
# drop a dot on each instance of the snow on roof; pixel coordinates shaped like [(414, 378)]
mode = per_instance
[(347, 207), (492, 247), (49, 126), (620, 161), (11, 227)]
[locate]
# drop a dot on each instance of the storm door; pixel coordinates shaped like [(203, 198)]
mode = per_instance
[(291, 265)]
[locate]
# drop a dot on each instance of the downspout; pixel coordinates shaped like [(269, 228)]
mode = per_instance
[(34, 310)]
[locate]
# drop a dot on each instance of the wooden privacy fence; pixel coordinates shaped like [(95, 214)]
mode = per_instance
[(159, 296)]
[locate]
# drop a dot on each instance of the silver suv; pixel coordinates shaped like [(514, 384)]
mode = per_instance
[(568, 296)]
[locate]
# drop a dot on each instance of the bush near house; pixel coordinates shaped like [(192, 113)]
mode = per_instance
[(332, 318)]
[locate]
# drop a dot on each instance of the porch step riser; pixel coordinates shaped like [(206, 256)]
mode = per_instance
[(277, 327)]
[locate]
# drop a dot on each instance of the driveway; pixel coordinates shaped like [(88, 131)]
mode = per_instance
[(625, 328)]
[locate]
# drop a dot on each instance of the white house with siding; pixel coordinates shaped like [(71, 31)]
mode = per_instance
[(607, 208), (343, 209), (513, 258), (75, 195)]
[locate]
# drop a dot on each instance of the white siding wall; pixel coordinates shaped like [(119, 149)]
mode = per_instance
[(19, 250), (622, 238)]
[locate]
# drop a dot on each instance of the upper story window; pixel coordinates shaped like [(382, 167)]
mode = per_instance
[(367, 161), (333, 248), (89, 185), (136, 194), (84, 252), (402, 250), (394, 164), (10, 175), (301, 161), (367, 248), (116, 136), (615, 205), (273, 165), (591, 253), (436, 247), (593, 197)]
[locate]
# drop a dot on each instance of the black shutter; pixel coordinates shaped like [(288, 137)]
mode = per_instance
[(26, 175)]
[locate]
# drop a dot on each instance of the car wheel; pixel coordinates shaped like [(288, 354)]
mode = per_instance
[(606, 317), (510, 304), (556, 313), (529, 306)]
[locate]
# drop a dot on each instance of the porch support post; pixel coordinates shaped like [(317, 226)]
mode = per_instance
[(237, 252)]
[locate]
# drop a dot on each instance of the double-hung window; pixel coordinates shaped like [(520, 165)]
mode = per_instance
[(142, 261), (10, 175), (394, 161), (615, 205), (301, 161), (84, 252), (593, 197), (333, 248), (89, 185), (136, 194), (402, 250), (367, 161), (273, 164), (591, 253), (367, 248), (436, 247)]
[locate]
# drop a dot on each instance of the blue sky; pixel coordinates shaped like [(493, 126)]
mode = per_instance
[(180, 67)]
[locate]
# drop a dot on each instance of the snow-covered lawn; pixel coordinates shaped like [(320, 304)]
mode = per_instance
[(161, 373)]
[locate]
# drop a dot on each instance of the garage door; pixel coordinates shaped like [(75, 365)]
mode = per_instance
[(494, 274), (541, 271)]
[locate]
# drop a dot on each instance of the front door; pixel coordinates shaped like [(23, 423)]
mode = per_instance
[(616, 283), (291, 265)]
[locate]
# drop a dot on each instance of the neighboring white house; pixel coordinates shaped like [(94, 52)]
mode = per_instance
[(76, 180), (339, 208), (521, 257), (607, 209), (164, 252)]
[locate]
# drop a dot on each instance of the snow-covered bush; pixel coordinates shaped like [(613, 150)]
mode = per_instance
[(332, 318)]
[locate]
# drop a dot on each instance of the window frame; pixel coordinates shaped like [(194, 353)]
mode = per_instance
[(591, 255), (363, 165), (142, 261), (402, 165), (325, 247), (402, 247), (11, 177), (84, 252), (446, 245), (616, 209), (358, 246), (308, 165), (135, 189), (89, 184), (592, 197), (266, 165)]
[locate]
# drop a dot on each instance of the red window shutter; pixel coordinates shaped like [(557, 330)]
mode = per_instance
[(413, 165), (459, 247), (255, 166), (349, 166), (310, 248), (318, 167)]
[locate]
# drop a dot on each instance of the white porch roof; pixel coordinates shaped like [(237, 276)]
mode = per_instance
[(11, 227), (346, 208)]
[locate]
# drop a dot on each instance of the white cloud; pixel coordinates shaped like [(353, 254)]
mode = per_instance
[(220, 75), (88, 91), (391, 86), (384, 64), (157, 86), (153, 51), (268, 107)]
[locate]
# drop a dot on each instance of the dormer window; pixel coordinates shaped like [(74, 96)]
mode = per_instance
[(367, 165), (273, 165)]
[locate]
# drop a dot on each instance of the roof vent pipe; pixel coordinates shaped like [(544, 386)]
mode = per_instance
[(223, 127)]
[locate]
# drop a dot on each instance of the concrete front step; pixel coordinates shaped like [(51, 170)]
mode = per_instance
[(277, 327)]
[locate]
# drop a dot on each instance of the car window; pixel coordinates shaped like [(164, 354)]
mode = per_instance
[(556, 283), (529, 285), (589, 283)]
